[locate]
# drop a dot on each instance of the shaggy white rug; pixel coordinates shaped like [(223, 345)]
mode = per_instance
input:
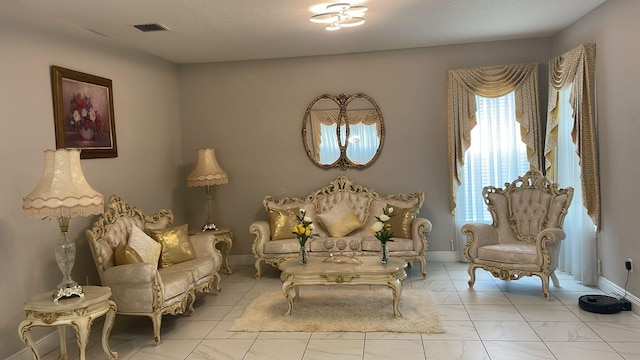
[(341, 309)]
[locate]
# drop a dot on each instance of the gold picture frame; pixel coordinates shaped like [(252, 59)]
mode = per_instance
[(83, 113)]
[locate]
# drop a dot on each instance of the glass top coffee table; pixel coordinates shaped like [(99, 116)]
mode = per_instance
[(317, 272)]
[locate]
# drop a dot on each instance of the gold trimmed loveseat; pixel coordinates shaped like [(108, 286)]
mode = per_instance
[(330, 208), (150, 288)]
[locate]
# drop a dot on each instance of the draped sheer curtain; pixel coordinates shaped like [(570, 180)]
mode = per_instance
[(571, 157), (471, 94), (578, 251), (497, 155)]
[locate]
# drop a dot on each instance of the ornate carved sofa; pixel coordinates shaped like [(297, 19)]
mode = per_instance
[(166, 284), (341, 210), (526, 233)]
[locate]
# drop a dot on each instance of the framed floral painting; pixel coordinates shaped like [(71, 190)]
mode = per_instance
[(83, 113)]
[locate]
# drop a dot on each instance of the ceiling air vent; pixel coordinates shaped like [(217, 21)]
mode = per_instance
[(151, 27)]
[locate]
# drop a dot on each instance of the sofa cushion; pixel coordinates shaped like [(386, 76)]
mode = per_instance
[(148, 249), (284, 246), (340, 220), (176, 284), (509, 253), (370, 243), (124, 255), (400, 221), (200, 268), (176, 246), (281, 221)]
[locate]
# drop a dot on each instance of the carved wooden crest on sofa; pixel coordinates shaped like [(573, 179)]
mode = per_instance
[(410, 244), (524, 238)]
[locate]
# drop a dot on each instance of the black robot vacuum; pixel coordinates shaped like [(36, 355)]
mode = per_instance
[(601, 304)]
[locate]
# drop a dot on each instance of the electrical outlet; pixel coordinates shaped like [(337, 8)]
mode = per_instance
[(628, 264)]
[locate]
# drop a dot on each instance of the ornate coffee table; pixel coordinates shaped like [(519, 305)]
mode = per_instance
[(317, 272)]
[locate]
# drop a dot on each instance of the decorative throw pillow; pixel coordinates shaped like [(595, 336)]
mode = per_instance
[(400, 222), (281, 222), (124, 255), (340, 220), (148, 249), (176, 246)]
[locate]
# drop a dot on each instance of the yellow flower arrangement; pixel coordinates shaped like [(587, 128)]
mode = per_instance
[(304, 230)]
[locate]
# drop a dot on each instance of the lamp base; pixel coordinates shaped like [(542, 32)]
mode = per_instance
[(68, 291), (209, 226)]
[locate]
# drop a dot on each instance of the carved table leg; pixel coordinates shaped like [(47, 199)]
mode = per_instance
[(62, 335), (287, 286), (106, 330), (24, 331), (81, 327), (396, 288)]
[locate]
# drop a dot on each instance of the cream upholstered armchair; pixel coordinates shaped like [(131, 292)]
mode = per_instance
[(525, 237)]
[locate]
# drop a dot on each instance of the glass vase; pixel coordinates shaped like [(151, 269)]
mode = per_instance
[(303, 256), (384, 254)]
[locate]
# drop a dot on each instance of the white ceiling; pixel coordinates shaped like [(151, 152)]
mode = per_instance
[(225, 30)]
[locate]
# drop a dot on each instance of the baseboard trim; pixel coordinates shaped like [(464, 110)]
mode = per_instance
[(442, 256), (45, 345), (608, 287)]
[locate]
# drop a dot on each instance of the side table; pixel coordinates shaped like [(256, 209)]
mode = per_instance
[(77, 312), (224, 237)]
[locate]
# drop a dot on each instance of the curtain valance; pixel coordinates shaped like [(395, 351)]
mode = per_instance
[(494, 81)]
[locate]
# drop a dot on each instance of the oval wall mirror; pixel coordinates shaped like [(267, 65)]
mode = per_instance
[(344, 131)]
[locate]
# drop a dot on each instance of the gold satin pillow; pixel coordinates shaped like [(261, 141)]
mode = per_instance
[(281, 222), (176, 246), (340, 220), (125, 254), (400, 222)]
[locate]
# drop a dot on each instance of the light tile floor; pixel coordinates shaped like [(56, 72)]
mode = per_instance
[(494, 320)]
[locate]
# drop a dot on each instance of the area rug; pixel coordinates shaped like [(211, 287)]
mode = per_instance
[(341, 310)]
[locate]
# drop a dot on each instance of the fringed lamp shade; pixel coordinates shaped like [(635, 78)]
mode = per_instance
[(207, 170), (62, 191)]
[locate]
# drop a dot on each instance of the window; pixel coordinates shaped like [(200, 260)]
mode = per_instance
[(497, 155)]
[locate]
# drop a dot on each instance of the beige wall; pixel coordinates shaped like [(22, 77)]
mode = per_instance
[(149, 143), (251, 113), (614, 28)]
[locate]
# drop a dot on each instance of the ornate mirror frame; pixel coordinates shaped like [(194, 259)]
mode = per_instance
[(337, 109)]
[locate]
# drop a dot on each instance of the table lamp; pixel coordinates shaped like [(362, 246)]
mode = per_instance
[(207, 172), (63, 193)]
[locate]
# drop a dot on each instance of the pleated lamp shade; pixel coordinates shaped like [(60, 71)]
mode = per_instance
[(62, 191), (207, 171)]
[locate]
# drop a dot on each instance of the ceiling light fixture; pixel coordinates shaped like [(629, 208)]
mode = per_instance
[(340, 15)]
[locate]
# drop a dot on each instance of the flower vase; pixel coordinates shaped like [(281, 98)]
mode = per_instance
[(86, 134), (384, 254), (303, 255)]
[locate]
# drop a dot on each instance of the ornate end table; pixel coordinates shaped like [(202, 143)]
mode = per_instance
[(224, 237), (77, 312)]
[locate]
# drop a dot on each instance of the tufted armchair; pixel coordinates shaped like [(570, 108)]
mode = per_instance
[(524, 239)]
